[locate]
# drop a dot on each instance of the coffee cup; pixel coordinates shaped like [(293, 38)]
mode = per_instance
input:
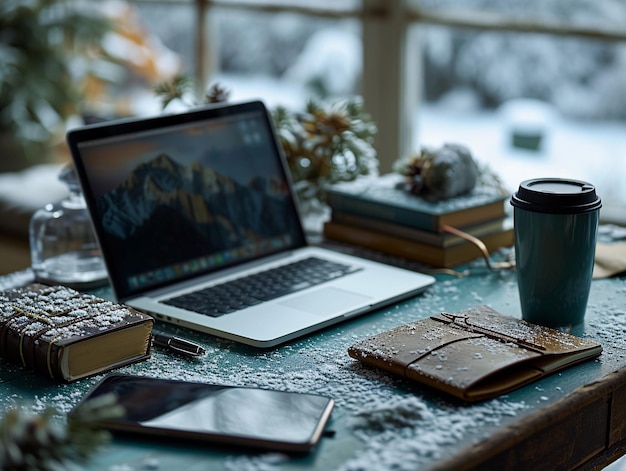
[(556, 226)]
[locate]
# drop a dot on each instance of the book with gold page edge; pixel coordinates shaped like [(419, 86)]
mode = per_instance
[(462, 252), (68, 335), (475, 354), (442, 239)]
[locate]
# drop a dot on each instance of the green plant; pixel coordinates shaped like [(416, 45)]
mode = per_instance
[(47, 49), (326, 143)]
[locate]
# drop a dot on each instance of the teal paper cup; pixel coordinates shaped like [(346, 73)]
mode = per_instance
[(556, 226)]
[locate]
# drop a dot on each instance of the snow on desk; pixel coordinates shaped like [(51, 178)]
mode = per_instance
[(383, 422)]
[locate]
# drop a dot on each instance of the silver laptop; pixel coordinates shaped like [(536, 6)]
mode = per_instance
[(185, 206)]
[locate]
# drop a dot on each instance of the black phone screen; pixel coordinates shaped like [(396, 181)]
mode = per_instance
[(226, 414)]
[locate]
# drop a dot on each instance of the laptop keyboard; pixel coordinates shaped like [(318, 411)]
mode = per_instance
[(254, 289)]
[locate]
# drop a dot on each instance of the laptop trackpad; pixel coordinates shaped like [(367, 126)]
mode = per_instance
[(326, 300)]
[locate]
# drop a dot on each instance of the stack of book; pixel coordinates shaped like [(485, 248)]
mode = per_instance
[(377, 214)]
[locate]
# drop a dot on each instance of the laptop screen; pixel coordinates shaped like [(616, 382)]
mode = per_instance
[(182, 195)]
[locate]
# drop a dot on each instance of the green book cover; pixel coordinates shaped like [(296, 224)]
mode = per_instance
[(380, 198)]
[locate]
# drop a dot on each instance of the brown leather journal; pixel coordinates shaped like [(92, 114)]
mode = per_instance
[(474, 354)]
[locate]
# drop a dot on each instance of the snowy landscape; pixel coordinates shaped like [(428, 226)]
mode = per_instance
[(478, 87)]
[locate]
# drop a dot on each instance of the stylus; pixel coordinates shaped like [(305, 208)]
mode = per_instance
[(176, 344)]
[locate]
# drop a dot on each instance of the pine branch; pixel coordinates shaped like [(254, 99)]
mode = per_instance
[(30, 441)]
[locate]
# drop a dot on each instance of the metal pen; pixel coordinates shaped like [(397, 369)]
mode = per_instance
[(176, 344)]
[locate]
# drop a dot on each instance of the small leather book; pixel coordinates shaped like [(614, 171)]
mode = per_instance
[(474, 354), (68, 335)]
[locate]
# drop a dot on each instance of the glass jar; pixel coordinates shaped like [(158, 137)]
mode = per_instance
[(63, 247)]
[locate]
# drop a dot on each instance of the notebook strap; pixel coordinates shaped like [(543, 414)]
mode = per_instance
[(462, 321)]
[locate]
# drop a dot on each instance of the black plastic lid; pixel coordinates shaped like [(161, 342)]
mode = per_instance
[(556, 196)]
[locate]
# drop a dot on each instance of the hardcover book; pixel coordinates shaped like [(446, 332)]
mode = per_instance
[(475, 354), (451, 256), (68, 335), (380, 198), (438, 239)]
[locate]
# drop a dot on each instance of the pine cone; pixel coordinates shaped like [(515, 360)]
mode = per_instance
[(217, 94), (440, 174), (451, 171)]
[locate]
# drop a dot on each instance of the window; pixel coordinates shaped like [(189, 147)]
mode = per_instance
[(532, 88), (537, 92)]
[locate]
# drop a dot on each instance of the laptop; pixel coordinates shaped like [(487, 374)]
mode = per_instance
[(187, 205)]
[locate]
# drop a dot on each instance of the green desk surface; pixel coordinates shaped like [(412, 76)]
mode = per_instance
[(383, 422)]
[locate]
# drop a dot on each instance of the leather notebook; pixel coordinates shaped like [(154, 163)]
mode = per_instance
[(475, 354)]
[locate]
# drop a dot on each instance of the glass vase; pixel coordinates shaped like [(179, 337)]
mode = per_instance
[(63, 247)]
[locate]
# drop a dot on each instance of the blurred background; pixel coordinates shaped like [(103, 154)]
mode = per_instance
[(547, 101), (533, 88)]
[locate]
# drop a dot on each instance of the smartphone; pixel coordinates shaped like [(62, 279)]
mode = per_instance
[(240, 416)]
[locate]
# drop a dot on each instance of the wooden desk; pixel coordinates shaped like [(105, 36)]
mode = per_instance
[(575, 419)]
